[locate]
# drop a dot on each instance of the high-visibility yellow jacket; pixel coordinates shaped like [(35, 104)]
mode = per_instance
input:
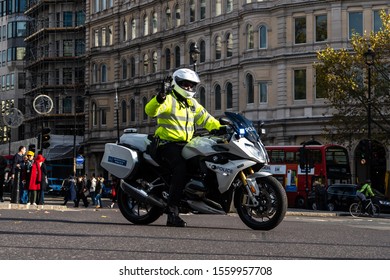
[(176, 119)]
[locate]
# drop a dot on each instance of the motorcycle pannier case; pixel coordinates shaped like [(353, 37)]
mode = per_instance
[(120, 161)]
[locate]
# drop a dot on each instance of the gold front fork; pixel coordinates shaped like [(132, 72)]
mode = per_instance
[(251, 190)]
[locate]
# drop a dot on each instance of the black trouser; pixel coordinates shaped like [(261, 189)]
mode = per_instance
[(1, 184), (170, 153)]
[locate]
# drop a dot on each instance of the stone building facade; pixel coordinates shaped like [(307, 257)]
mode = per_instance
[(256, 58)]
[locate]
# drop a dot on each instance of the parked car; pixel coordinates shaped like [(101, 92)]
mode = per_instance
[(341, 196), (382, 201), (54, 186)]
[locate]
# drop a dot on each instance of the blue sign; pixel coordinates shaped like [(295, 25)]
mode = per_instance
[(79, 159)]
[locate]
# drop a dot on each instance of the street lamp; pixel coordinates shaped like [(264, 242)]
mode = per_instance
[(369, 57), (117, 109), (194, 53)]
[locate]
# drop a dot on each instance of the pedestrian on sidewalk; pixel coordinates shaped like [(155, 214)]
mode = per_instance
[(17, 188), (69, 186), (81, 192), (3, 166), (35, 180)]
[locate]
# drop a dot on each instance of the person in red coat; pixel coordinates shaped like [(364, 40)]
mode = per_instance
[(35, 180)]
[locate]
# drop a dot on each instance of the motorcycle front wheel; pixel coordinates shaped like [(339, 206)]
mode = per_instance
[(271, 209), (135, 211)]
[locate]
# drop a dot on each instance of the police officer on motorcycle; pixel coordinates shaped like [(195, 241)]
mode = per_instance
[(177, 113)]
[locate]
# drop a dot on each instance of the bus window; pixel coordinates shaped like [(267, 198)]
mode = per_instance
[(290, 157), (277, 156)]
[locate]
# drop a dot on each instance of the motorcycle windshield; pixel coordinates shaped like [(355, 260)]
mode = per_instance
[(243, 126)]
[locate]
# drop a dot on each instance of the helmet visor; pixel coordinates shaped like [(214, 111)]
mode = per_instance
[(187, 85)]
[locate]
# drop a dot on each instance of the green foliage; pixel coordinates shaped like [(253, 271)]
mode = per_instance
[(343, 75)]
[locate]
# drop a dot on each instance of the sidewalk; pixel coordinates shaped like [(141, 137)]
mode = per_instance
[(51, 203)]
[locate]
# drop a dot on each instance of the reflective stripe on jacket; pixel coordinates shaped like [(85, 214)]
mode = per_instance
[(176, 120), (366, 190)]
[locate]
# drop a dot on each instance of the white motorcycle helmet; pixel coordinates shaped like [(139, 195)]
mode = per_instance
[(184, 82)]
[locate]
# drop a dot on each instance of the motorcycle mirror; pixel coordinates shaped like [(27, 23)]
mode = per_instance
[(224, 121)]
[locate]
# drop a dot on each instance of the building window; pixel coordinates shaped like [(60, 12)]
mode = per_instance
[(321, 28), (146, 25), (125, 31), (263, 92), (177, 15), (132, 110), (110, 35), (154, 62), (68, 19), (229, 6), (218, 97), (192, 11), (146, 64), (167, 59), (202, 9), (299, 84), (378, 25), (249, 37), (124, 69), (249, 89), (202, 49), (320, 91), (80, 47), (168, 18), (124, 111), (21, 80), (229, 96), (177, 57), (133, 29), (80, 18), (67, 105), (154, 23), (94, 73), (300, 30), (103, 117), (67, 76), (132, 67), (104, 74), (229, 45), (202, 96), (218, 48), (263, 37), (355, 22), (218, 7), (144, 102), (68, 48)]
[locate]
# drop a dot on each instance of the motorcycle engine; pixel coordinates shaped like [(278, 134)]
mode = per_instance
[(195, 189)]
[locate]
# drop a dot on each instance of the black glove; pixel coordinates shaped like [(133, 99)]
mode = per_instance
[(221, 131), (161, 96)]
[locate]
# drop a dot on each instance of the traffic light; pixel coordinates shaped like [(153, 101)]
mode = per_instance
[(45, 140)]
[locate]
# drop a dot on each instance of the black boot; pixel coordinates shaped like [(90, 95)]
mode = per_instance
[(173, 219)]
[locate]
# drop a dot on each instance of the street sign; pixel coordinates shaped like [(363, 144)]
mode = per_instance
[(80, 159)]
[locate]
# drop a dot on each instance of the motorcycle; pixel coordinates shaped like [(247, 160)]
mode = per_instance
[(223, 171)]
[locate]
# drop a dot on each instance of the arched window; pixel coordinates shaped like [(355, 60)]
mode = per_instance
[(218, 97), (146, 25), (154, 22), (218, 47), (249, 88), (168, 18), (192, 45), (133, 29), (124, 111), (104, 73), (177, 15), (144, 102), (202, 96), (229, 6), (263, 37), (146, 64), (94, 114), (229, 96), (249, 37), (229, 45), (154, 62), (167, 59), (202, 49), (125, 31), (132, 67), (177, 57), (192, 10), (132, 110), (124, 69)]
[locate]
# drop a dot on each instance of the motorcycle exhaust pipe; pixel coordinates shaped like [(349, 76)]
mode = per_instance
[(141, 195)]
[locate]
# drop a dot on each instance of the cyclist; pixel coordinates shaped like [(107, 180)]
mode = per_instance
[(364, 192)]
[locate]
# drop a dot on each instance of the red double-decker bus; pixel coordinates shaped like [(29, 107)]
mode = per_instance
[(327, 164)]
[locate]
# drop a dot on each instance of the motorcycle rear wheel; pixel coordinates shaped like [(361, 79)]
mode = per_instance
[(135, 211), (271, 210)]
